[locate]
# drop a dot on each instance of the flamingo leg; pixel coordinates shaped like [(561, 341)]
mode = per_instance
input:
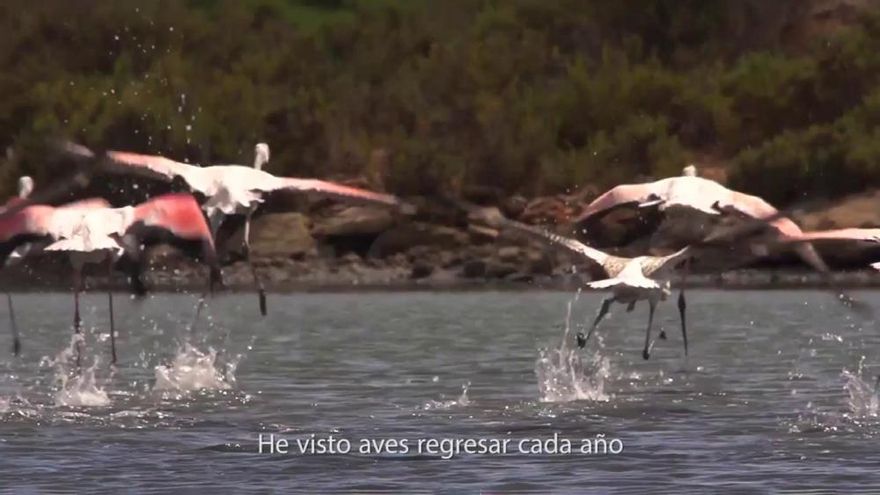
[(112, 329), (112, 323), (16, 341), (247, 252), (603, 310), (199, 308), (646, 353), (77, 321), (682, 306)]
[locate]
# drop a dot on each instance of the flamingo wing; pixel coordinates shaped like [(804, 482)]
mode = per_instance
[(178, 220), (155, 167), (847, 234), (622, 196), (565, 243), (267, 183)]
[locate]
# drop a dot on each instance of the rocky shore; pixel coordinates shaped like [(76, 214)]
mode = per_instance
[(335, 247)]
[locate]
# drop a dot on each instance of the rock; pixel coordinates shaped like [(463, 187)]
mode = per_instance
[(539, 264), (278, 234), (421, 270), (420, 253), (448, 259), (481, 235), (509, 253), (350, 259), (473, 269), (519, 277), (513, 206), (355, 221), (404, 237), (552, 210), (499, 270)]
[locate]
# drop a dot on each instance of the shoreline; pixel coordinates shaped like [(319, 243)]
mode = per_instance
[(746, 279)]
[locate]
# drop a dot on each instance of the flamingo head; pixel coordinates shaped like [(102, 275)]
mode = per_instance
[(689, 171), (25, 186), (261, 155)]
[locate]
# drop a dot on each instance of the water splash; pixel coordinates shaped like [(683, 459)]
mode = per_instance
[(192, 369), (81, 390), (78, 387), (563, 376), (461, 401), (863, 401)]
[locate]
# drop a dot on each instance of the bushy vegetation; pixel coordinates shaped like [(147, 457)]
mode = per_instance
[(530, 96)]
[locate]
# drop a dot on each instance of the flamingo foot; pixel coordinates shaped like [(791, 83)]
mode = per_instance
[(662, 335), (16, 347), (646, 355), (581, 340)]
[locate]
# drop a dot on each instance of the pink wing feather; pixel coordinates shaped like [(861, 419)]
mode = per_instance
[(178, 213)]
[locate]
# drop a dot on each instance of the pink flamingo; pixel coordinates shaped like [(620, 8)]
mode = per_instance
[(690, 204), (231, 190), (117, 236), (13, 250)]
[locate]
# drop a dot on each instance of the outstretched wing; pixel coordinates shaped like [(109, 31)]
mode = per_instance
[(494, 218), (631, 196), (267, 184), (848, 234), (150, 166)]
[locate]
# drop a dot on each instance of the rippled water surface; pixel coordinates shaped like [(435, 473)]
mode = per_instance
[(778, 393)]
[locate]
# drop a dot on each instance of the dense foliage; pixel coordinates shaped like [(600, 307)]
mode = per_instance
[(530, 96)]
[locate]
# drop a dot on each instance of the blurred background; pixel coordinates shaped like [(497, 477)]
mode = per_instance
[(528, 97)]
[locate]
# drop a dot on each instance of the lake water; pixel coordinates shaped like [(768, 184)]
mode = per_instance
[(778, 393)]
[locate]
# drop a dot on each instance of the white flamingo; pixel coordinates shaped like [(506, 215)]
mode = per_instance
[(228, 190), (643, 278)]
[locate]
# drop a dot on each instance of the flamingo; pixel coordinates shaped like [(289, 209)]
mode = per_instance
[(14, 250), (25, 188), (630, 279), (116, 236), (231, 190), (689, 204)]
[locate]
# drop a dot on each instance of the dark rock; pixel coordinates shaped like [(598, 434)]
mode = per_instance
[(403, 237), (473, 269), (499, 270), (355, 221), (421, 270), (513, 206), (540, 264), (278, 234)]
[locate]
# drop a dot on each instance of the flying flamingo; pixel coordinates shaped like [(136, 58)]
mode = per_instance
[(690, 206), (14, 250), (25, 188), (116, 236), (231, 190)]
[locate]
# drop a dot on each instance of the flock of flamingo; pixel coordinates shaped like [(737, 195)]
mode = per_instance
[(699, 219)]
